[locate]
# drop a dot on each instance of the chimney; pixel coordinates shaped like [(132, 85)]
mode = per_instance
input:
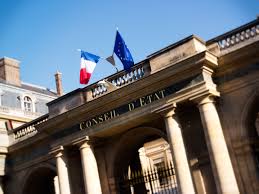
[(59, 83), (10, 71)]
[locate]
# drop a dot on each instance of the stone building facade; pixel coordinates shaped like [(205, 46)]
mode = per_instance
[(20, 103), (202, 97)]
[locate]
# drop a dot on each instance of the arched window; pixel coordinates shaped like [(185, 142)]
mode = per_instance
[(27, 103)]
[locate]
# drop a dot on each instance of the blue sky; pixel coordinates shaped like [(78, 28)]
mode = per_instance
[(45, 34)]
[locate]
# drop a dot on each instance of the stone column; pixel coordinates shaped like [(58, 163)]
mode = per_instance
[(1, 185), (218, 152), (90, 170), (56, 185), (175, 138), (63, 178), (144, 161)]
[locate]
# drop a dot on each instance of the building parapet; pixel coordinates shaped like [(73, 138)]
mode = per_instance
[(27, 129), (121, 78), (18, 112), (176, 52), (237, 36), (95, 90)]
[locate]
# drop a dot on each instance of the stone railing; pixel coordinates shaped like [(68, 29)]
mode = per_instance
[(91, 92), (239, 35), (19, 112), (121, 78), (28, 128)]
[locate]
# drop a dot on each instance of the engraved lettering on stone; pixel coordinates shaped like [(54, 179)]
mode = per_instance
[(129, 107)]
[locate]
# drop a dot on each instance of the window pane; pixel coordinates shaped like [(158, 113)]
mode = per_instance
[(27, 104)]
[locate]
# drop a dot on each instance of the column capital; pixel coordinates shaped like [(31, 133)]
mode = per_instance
[(167, 110), (57, 151), (142, 151), (204, 100), (3, 150), (82, 142)]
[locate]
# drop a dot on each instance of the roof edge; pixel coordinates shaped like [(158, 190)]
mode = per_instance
[(175, 45), (226, 34)]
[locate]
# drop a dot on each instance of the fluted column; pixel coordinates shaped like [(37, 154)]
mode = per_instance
[(90, 170), (217, 147), (62, 169), (175, 138)]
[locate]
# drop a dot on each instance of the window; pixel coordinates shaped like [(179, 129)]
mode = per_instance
[(27, 103), (162, 173)]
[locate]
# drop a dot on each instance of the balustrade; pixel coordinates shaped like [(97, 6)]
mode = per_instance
[(121, 79), (237, 37), (28, 128), (19, 111)]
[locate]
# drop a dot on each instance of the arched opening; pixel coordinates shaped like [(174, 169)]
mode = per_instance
[(251, 126), (40, 181), (143, 163), (251, 117)]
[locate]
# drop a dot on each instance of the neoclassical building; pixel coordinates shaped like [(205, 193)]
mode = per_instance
[(20, 103), (202, 97)]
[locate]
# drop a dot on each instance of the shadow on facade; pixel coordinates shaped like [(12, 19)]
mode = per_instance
[(40, 181)]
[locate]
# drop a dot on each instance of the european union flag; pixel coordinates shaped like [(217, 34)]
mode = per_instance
[(122, 51)]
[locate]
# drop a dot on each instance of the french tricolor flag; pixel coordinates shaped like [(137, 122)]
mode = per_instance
[(88, 63)]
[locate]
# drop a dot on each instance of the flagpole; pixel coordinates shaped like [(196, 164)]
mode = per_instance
[(117, 29), (116, 69), (57, 68)]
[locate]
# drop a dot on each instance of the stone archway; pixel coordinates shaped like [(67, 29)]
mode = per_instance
[(249, 116), (249, 135), (129, 143), (40, 180), (126, 156)]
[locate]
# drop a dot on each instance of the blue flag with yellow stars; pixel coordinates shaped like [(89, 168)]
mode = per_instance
[(122, 52)]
